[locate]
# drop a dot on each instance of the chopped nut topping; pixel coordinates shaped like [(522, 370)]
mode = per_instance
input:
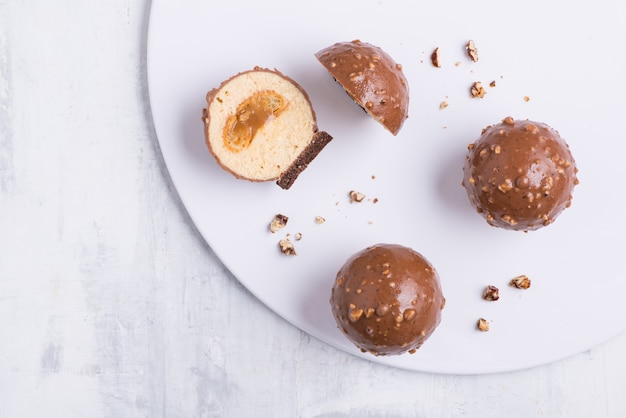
[(506, 186), (482, 325), (491, 293), (286, 247), (508, 121), (409, 314), (355, 314), (477, 90), (279, 222), (356, 196), (434, 58), (472, 51), (520, 282), (319, 220), (382, 310)]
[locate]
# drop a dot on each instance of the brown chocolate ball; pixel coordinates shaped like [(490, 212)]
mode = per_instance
[(519, 174), (387, 299), (371, 78)]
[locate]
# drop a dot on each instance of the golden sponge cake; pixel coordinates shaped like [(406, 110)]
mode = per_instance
[(260, 126)]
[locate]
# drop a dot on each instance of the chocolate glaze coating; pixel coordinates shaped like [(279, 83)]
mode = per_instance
[(519, 174), (387, 299), (371, 78)]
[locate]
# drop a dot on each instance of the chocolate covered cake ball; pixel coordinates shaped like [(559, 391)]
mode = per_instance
[(371, 78), (387, 299), (519, 174)]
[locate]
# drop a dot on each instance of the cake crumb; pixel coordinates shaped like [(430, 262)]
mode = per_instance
[(319, 220), (298, 236), (457, 64), (526, 98), (477, 90), (492, 84), (443, 105)]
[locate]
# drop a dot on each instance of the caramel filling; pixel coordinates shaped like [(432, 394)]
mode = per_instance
[(251, 115)]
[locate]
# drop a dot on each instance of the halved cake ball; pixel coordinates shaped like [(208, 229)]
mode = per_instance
[(371, 78), (260, 126), (519, 174), (387, 299)]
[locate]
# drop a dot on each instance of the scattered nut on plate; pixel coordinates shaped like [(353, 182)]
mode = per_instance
[(356, 196), (491, 293), (279, 222), (482, 324), (434, 58), (520, 282), (286, 247), (477, 90), (472, 51)]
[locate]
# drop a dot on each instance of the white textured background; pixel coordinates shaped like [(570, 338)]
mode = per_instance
[(112, 305)]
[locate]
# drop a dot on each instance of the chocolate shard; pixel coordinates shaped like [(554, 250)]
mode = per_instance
[(289, 176)]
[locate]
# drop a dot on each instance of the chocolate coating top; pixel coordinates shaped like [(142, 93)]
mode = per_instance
[(372, 78), (387, 299), (519, 174)]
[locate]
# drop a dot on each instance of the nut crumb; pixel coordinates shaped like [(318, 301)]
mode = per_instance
[(443, 105), (526, 98), (319, 220), (472, 51), (482, 325), (492, 84), (491, 293), (477, 90), (457, 64), (356, 196), (286, 247), (434, 58), (520, 282), (298, 236), (279, 222)]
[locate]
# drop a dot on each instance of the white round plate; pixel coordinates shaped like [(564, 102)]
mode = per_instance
[(564, 68)]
